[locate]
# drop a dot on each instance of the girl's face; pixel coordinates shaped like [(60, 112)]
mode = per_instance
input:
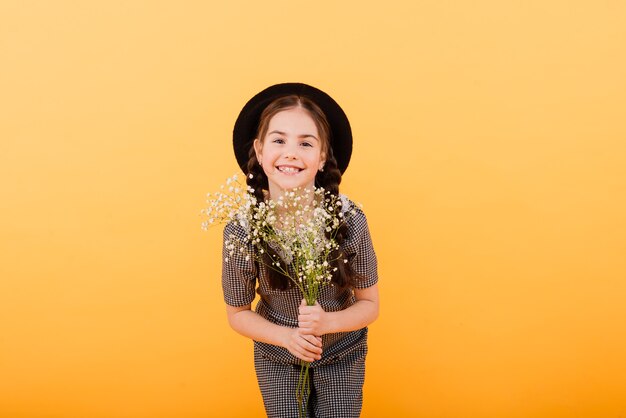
[(291, 151)]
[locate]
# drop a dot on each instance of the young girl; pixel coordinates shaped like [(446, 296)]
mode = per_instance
[(287, 136)]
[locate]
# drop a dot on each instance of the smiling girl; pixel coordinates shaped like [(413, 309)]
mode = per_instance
[(288, 136)]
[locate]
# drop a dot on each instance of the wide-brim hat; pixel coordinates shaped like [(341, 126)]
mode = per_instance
[(247, 123)]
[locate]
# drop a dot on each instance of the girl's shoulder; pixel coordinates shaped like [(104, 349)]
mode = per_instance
[(353, 212), (346, 203), (237, 228), (358, 239)]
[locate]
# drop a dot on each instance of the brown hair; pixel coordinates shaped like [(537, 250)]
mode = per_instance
[(329, 179)]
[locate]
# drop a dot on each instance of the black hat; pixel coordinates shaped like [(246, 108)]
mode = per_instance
[(247, 123)]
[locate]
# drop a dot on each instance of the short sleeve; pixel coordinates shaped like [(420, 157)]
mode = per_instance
[(360, 249), (238, 274)]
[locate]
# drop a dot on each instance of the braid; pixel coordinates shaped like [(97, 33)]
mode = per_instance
[(329, 179), (258, 181)]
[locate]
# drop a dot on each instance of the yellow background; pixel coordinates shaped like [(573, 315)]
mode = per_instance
[(490, 158)]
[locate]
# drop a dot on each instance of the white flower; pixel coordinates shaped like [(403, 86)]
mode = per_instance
[(302, 232)]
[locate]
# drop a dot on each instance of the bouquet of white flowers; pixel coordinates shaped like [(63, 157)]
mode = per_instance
[(294, 235)]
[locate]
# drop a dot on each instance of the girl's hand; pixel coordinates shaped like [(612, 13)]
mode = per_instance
[(311, 319), (305, 347)]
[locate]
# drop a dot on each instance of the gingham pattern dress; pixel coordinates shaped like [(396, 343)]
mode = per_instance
[(337, 378)]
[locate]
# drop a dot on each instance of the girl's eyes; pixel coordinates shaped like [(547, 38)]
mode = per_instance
[(282, 141)]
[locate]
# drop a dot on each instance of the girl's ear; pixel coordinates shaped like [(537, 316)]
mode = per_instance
[(257, 149)]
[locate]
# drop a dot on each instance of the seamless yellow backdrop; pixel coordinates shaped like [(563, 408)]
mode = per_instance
[(490, 158)]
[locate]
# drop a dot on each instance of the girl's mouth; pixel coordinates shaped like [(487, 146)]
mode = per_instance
[(288, 169)]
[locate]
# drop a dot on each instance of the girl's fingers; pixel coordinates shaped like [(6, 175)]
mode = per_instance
[(309, 359), (306, 347), (305, 324), (307, 328), (314, 343), (304, 357)]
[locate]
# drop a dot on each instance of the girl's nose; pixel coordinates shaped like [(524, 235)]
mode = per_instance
[(290, 154)]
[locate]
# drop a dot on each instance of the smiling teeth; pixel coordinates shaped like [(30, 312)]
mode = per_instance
[(289, 169)]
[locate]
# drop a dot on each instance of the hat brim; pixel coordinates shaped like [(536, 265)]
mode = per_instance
[(247, 123)]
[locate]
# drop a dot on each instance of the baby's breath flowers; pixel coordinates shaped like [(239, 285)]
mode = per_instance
[(299, 229), (294, 235)]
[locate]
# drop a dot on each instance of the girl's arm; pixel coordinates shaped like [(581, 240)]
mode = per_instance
[(313, 320), (252, 325)]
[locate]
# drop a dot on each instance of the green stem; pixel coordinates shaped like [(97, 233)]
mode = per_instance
[(304, 388)]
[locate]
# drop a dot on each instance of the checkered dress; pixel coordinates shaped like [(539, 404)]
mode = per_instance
[(337, 378)]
